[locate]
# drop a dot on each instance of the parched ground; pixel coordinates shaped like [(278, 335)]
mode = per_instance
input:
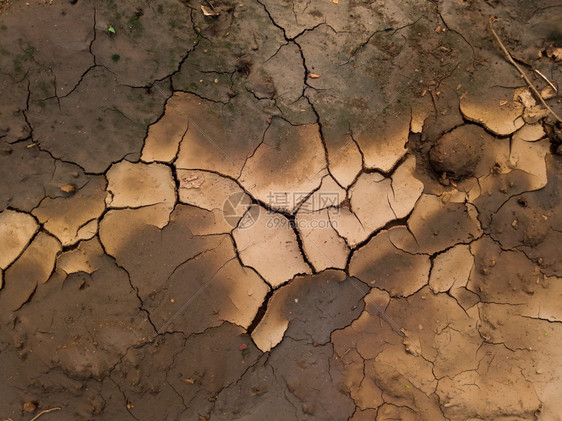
[(280, 210)]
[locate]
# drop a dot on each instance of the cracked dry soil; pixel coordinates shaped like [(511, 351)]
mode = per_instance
[(279, 210)]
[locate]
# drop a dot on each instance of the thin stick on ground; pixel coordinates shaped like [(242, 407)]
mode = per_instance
[(546, 79), (522, 73), (46, 411)]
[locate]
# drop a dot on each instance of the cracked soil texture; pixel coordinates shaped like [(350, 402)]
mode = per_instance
[(280, 210)]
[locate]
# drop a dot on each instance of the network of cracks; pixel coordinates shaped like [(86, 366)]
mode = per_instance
[(250, 253)]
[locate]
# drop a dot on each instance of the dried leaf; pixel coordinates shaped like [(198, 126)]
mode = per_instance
[(525, 97), (534, 114), (207, 12), (547, 92), (554, 53), (68, 188)]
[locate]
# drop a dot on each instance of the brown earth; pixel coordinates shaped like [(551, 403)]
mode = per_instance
[(280, 210)]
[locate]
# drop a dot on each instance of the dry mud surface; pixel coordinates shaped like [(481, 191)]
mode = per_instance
[(280, 210)]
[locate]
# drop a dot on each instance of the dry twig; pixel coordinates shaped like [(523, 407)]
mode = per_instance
[(46, 411), (522, 73), (546, 79)]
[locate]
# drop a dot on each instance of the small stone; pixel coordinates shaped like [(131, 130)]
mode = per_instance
[(29, 406)]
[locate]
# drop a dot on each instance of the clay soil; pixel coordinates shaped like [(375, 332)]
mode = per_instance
[(280, 210)]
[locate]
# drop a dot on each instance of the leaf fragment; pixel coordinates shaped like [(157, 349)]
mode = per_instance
[(208, 12)]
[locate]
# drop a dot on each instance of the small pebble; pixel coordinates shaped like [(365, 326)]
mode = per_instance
[(29, 406)]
